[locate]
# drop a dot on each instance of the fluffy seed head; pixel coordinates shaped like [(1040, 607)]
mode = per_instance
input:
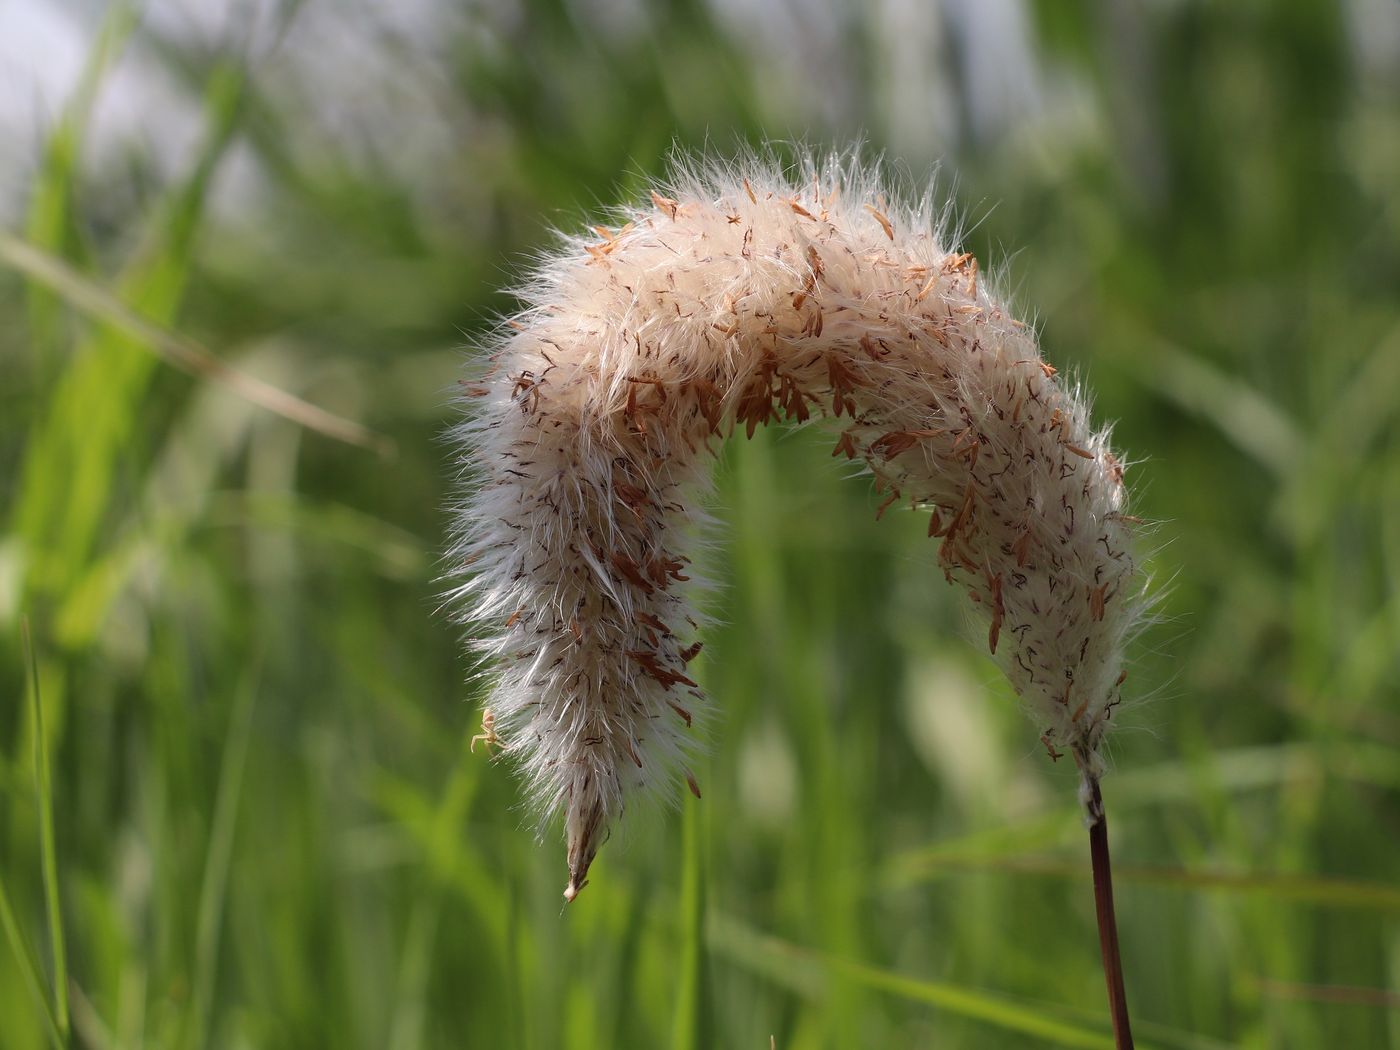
[(733, 298)]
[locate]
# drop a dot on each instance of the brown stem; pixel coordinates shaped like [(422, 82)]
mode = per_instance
[(1108, 923)]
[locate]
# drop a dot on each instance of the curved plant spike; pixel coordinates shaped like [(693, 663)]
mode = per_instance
[(735, 298)]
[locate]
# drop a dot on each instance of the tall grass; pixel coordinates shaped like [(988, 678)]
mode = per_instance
[(267, 827)]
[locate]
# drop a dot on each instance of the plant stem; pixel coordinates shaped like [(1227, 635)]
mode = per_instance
[(1108, 922)]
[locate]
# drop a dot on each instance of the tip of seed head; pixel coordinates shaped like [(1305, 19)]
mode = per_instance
[(573, 889)]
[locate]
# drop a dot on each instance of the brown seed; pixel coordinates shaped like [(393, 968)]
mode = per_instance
[(998, 611), (884, 222), (1022, 548), (845, 444), (648, 620), (1096, 600), (669, 206)]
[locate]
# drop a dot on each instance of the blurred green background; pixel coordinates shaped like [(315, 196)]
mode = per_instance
[(237, 808)]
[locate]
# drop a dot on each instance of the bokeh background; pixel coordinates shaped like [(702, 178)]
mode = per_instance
[(237, 807)]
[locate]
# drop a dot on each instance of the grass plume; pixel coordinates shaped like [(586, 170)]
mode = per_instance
[(735, 297)]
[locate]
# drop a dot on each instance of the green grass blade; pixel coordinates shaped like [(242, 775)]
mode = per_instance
[(51, 195), (808, 972), (93, 414), (433, 826), (90, 1028), (689, 1024), (28, 967), (972, 1004), (414, 974), (1340, 451), (1159, 785), (43, 785), (213, 889), (1243, 414), (1316, 890)]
